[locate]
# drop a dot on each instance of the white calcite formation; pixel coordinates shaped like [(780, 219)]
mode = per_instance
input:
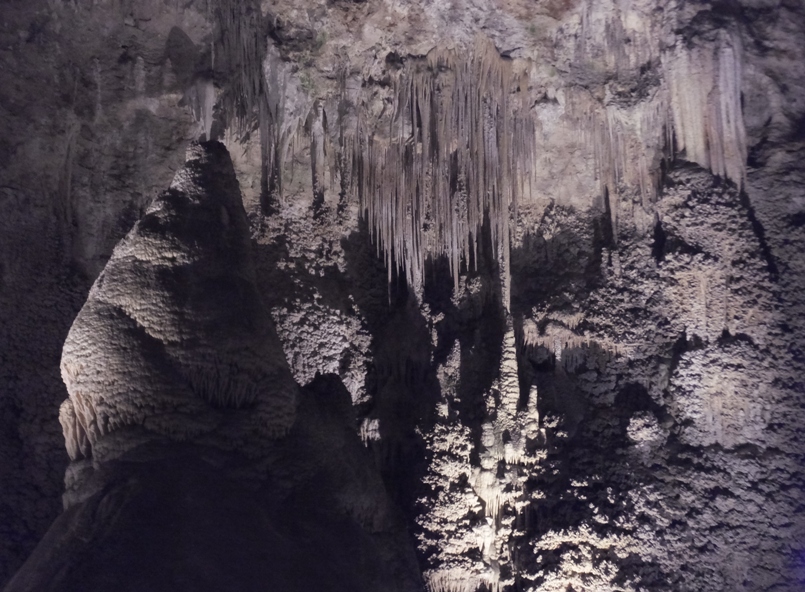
[(174, 338), (551, 248), (323, 340), (464, 134)]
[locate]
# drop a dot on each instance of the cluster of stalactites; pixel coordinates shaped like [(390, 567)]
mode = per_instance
[(627, 144), (239, 49), (693, 110), (705, 96), (459, 148)]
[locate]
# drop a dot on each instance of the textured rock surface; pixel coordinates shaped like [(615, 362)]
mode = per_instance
[(92, 130), (598, 386), (174, 326), (190, 469), (311, 513)]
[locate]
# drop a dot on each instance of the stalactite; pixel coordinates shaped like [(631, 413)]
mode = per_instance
[(705, 99), (369, 430), (75, 437), (260, 94), (458, 580), (201, 97), (694, 109), (460, 146), (570, 348), (241, 53), (223, 385)]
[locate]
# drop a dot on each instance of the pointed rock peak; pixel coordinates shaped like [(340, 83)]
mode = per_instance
[(173, 339)]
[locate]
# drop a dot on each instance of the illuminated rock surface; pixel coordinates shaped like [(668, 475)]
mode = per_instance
[(187, 473), (174, 327), (551, 251)]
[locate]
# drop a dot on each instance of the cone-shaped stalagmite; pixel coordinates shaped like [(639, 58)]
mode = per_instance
[(194, 467), (173, 337)]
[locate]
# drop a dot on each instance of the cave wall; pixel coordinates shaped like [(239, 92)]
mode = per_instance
[(92, 128), (604, 392)]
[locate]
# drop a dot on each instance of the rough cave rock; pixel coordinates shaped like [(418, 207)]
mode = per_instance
[(450, 296)]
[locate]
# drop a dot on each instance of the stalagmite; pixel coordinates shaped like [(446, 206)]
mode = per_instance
[(174, 328)]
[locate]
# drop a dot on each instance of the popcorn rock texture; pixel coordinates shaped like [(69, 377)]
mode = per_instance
[(174, 332)]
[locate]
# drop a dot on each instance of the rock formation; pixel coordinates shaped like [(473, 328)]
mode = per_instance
[(174, 326), (179, 391), (550, 250)]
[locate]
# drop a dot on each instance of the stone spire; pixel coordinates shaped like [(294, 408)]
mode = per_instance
[(173, 339)]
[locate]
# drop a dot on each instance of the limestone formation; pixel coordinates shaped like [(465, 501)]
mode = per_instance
[(550, 249), (191, 466), (174, 334)]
